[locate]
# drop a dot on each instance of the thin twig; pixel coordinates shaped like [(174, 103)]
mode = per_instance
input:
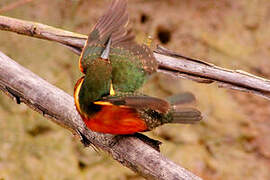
[(169, 62), (24, 86)]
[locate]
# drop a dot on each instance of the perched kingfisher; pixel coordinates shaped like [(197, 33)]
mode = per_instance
[(115, 67)]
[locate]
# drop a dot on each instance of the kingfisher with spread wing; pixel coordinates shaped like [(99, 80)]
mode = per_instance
[(114, 68)]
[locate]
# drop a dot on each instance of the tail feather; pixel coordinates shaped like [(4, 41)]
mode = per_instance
[(186, 116), (181, 110)]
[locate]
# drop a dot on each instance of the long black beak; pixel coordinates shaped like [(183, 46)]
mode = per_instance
[(106, 52)]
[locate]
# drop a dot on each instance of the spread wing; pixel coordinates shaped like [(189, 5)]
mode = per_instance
[(114, 24)]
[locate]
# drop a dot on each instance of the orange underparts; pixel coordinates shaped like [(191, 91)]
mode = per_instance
[(115, 120)]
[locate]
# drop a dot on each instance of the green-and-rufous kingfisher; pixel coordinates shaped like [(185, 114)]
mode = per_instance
[(114, 68)]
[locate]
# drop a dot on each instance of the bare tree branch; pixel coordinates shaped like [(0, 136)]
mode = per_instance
[(200, 71), (42, 31), (170, 62), (24, 86)]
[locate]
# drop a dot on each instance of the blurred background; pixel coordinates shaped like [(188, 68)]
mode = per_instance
[(232, 142)]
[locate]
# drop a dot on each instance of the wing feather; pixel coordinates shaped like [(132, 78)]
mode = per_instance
[(140, 102), (114, 24)]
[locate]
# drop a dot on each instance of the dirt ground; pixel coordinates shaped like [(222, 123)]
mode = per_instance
[(233, 140)]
